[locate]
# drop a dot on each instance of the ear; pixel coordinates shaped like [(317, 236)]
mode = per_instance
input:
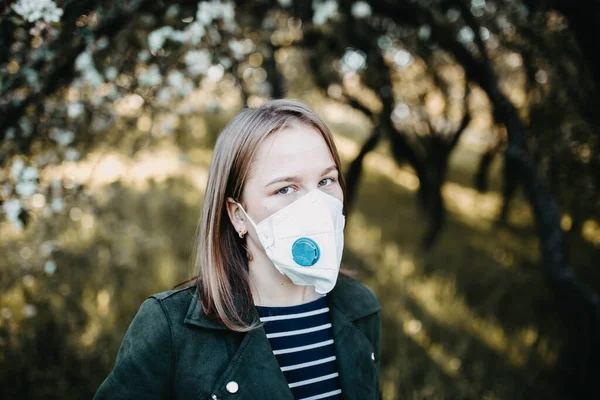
[(236, 216)]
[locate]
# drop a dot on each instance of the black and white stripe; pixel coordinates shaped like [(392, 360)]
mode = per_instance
[(302, 342)]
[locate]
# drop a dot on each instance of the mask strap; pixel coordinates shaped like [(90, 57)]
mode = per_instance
[(247, 216)]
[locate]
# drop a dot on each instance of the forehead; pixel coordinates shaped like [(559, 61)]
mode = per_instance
[(291, 151)]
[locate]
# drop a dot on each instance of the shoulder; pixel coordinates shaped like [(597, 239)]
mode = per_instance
[(175, 301), (175, 295), (183, 307), (354, 296)]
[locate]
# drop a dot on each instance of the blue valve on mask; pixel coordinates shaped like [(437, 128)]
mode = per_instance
[(305, 252)]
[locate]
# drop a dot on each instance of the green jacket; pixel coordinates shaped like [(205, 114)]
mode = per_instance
[(173, 351)]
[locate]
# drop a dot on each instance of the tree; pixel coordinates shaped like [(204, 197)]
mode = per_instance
[(77, 74)]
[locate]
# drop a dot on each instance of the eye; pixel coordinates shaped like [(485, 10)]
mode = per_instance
[(326, 182), (285, 190)]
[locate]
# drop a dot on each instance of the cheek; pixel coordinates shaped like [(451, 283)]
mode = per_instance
[(264, 206), (254, 201), (271, 204), (337, 193)]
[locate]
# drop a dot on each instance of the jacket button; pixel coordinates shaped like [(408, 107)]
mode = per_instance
[(232, 387), (373, 356)]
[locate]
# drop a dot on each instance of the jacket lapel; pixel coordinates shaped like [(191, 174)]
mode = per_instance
[(253, 367), (255, 370), (354, 352)]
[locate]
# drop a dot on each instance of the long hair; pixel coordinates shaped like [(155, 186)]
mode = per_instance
[(221, 257)]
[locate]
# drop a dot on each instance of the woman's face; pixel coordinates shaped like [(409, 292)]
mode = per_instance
[(288, 164)]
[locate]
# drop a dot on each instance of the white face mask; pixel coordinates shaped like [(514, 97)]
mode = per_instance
[(305, 239)]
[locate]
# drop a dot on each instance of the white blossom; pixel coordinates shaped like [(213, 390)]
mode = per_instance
[(29, 311), (361, 9), (198, 61), (85, 65), (31, 75), (424, 32), (323, 10), (12, 209), (401, 111), (164, 96), (285, 3), (49, 267), (466, 35), (206, 12), (227, 12), (34, 10), (187, 88), (215, 72), (172, 11), (102, 43), (157, 38), (72, 154), (485, 33), (62, 136), (541, 76), (16, 168), (26, 178), (111, 73), (209, 11), (179, 36), (175, 78), (29, 174), (238, 49), (403, 58), (74, 110), (99, 124), (83, 61), (93, 77), (225, 62), (195, 32), (144, 55), (26, 126), (353, 60), (214, 36), (453, 14), (57, 205), (26, 188), (150, 77)]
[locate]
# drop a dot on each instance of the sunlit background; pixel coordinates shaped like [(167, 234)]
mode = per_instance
[(110, 113)]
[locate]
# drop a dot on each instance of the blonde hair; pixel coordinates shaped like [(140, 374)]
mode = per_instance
[(221, 257)]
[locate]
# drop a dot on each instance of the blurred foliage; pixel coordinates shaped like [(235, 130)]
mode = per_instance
[(109, 111)]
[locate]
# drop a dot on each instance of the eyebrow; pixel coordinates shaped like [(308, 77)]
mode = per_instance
[(295, 179)]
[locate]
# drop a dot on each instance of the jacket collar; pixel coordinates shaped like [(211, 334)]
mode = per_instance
[(348, 297)]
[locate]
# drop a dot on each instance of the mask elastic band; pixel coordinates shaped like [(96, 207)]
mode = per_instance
[(247, 216)]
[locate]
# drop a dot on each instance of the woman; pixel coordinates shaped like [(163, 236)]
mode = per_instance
[(268, 318)]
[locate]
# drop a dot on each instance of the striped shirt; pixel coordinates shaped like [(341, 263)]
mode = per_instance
[(302, 342)]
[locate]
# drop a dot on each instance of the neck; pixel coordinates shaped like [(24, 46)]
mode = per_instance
[(273, 289)]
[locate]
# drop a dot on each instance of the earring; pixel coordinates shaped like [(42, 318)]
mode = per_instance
[(241, 233)]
